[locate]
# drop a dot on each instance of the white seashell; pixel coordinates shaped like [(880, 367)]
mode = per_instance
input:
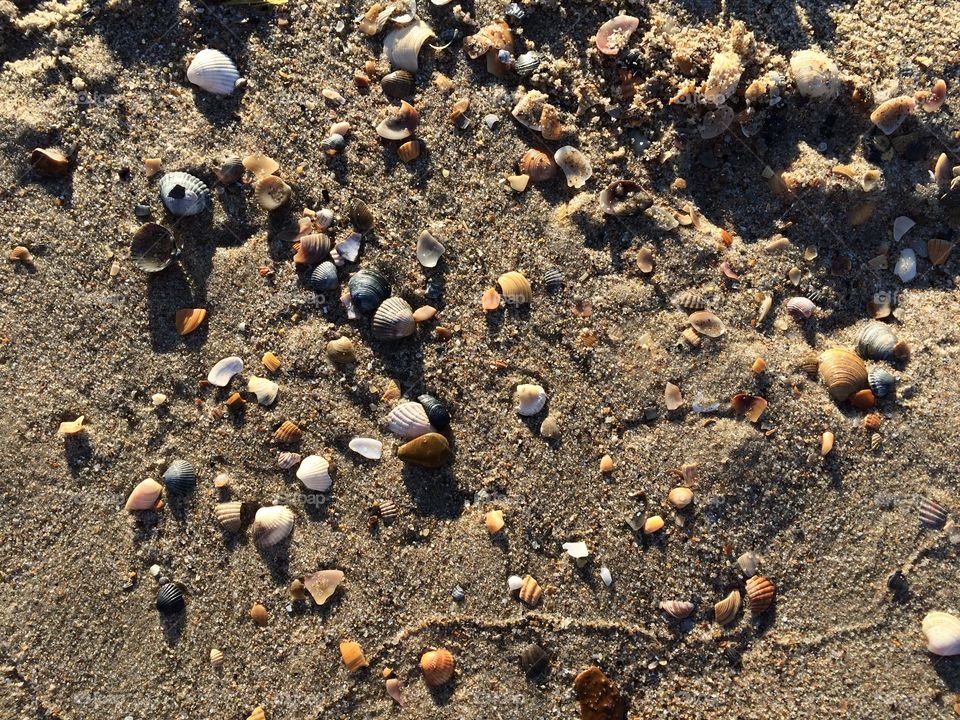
[(404, 11), (349, 247), (942, 632), (403, 45), (574, 164), (906, 267), (677, 609), (409, 420), (367, 447), (901, 226), (221, 373), (429, 250), (183, 194), (288, 460), (606, 576), (393, 320), (514, 582), (265, 390), (314, 473), (749, 564), (530, 399), (272, 524), (144, 496), (214, 72), (815, 75), (577, 550)]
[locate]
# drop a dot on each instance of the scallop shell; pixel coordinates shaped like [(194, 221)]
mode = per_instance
[(180, 477), (725, 611), (539, 166), (932, 514), (271, 192), (314, 473), (153, 248), (270, 361), (272, 524), (388, 511), (624, 197), (553, 280), (430, 451), (368, 288), (533, 660), (170, 599), (352, 655), (144, 496), (429, 250), (323, 584), (183, 194), (942, 633), (515, 288), (397, 84), (725, 72), (938, 250), (436, 412), (230, 170), (761, 592), (189, 319), (288, 432), (324, 276), (843, 372), (400, 122), (403, 45), (530, 592), (409, 420), (229, 515), (367, 447), (530, 399), (436, 666), (815, 75), (575, 165), (393, 320), (706, 323), (221, 373), (801, 307), (677, 609), (288, 460), (312, 248), (882, 382), (875, 341), (614, 34), (891, 114), (265, 390), (214, 72)]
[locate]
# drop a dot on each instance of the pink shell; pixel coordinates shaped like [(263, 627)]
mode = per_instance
[(144, 496), (801, 307), (288, 460), (613, 35)]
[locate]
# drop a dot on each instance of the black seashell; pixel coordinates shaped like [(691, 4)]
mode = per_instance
[(436, 413), (361, 217), (368, 289), (170, 599), (534, 659), (180, 477), (153, 248), (324, 276), (553, 279), (398, 84)]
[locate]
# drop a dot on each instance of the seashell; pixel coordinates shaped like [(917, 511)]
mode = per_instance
[(183, 194), (368, 289), (751, 406), (216, 658), (272, 524), (170, 599), (235, 401), (352, 655), (312, 248), (436, 412), (527, 63), (409, 151), (429, 250), (20, 254), (677, 609), (749, 564), (882, 382), (515, 288), (341, 351), (891, 114), (144, 496), (395, 690), (459, 114), (322, 584), (213, 71), (901, 226), (314, 473), (809, 362), (530, 399), (826, 443), (938, 250), (221, 373), (48, 162), (690, 301), (672, 397), (575, 165), (222, 480), (271, 192), (706, 323), (932, 514), (260, 165), (875, 341), (614, 34), (725, 611), (530, 592), (230, 170), (761, 592), (189, 319), (624, 197), (800, 307), (348, 249), (715, 122), (815, 75), (493, 521), (402, 46), (324, 276), (424, 313), (180, 477), (229, 515), (906, 265), (724, 76), (553, 280), (400, 122), (288, 460), (153, 248), (258, 714), (333, 144), (393, 320), (70, 427), (529, 110), (259, 615), (409, 420), (533, 660), (490, 300), (397, 84), (431, 451), (288, 432), (653, 524), (367, 447), (843, 372), (388, 511), (270, 361), (265, 390), (941, 631), (539, 166), (436, 666), (680, 497)]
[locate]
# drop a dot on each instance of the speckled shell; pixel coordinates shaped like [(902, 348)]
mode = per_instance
[(530, 399), (183, 194), (144, 496), (725, 611), (314, 473), (430, 451), (214, 72), (153, 248), (815, 75), (265, 389), (437, 666), (891, 114), (368, 288), (875, 341), (324, 276), (397, 84), (402, 46), (352, 655), (942, 633), (312, 248), (575, 165), (436, 412), (272, 524), (615, 33), (538, 165), (229, 515), (170, 599), (624, 197), (409, 420), (534, 659), (932, 514), (393, 320), (761, 593), (677, 609), (530, 592), (515, 288), (180, 477), (706, 323), (843, 372), (553, 280), (882, 382), (271, 192)]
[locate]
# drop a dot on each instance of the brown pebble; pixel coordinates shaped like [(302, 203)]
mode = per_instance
[(759, 365), (600, 699), (341, 351)]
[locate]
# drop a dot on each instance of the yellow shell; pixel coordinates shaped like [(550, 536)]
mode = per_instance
[(515, 288), (352, 655), (258, 714), (189, 319), (494, 521), (431, 450), (761, 593), (530, 591), (725, 611), (437, 666), (843, 372), (71, 427), (271, 362)]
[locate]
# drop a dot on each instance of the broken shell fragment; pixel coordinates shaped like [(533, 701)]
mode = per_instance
[(352, 655), (530, 592), (624, 197), (761, 592), (515, 288), (599, 697), (221, 373), (539, 166), (715, 122), (891, 114), (906, 265), (409, 420), (842, 372), (494, 521), (826, 443), (48, 162), (941, 631), (750, 406), (402, 45), (260, 165), (393, 320), (725, 72), (265, 390), (144, 496), (672, 397), (938, 250), (400, 122), (409, 151), (680, 497), (189, 319), (677, 609), (430, 451), (437, 666), (574, 164), (272, 524), (314, 473), (70, 427), (394, 690), (706, 323), (725, 611), (229, 515), (614, 34), (183, 194), (213, 71), (645, 259), (367, 447), (323, 584), (530, 399), (490, 300), (429, 250)]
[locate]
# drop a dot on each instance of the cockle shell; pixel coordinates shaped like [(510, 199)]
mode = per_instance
[(553, 280), (265, 390), (153, 248), (843, 372), (216, 658), (409, 420), (393, 320), (352, 655), (403, 45), (815, 74), (288, 432), (515, 288), (614, 34), (388, 511), (229, 515), (938, 250), (690, 301), (538, 165), (288, 460), (323, 584), (875, 341), (430, 450), (367, 447), (891, 114), (725, 72), (368, 288), (272, 524), (801, 307), (214, 72), (144, 496), (312, 248), (942, 633), (400, 122), (170, 599), (530, 399), (324, 276), (533, 660), (314, 473), (624, 197), (527, 63), (271, 192), (183, 194), (932, 514), (221, 373), (575, 165), (437, 666), (677, 609), (761, 593), (725, 611), (882, 382), (530, 592), (398, 84), (180, 477), (230, 170)]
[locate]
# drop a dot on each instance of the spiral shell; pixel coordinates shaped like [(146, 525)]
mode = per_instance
[(843, 372), (875, 341), (352, 655), (932, 514), (436, 412), (324, 276), (183, 194), (393, 320), (314, 473), (515, 288), (368, 288), (614, 34), (221, 373), (272, 524), (624, 197), (677, 609), (409, 420), (180, 477), (533, 660), (403, 45), (229, 515), (815, 75), (144, 496), (216, 658), (153, 248), (312, 248), (725, 611), (397, 84), (437, 666), (214, 72), (538, 165), (170, 599), (265, 389), (942, 633), (530, 399), (575, 165), (530, 592), (761, 592)]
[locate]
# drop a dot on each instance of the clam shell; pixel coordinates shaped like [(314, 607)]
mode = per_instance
[(429, 250), (761, 593), (436, 666), (530, 592), (725, 72), (368, 288), (214, 72), (272, 524), (527, 63), (815, 75), (843, 372), (367, 447), (265, 390), (529, 110), (260, 165), (409, 420), (271, 192), (360, 214), (323, 584), (229, 515), (314, 473), (144, 496), (942, 633), (430, 451), (402, 46), (221, 373), (677, 609), (400, 122), (324, 276), (706, 323), (230, 170), (352, 655), (312, 248), (288, 460), (170, 599), (575, 165), (436, 412), (932, 514), (530, 399), (624, 197), (614, 34), (515, 288), (680, 497), (189, 319), (393, 320), (875, 341), (409, 151), (153, 248), (534, 660), (180, 477), (553, 280), (801, 307), (882, 382), (539, 166), (288, 432), (725, 611), (183, 194), (397, 84), (906, 266), (891, 114)]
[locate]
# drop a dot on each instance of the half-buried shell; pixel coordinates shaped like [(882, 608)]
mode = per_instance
[(312, 248), (677, 609), (614, 34), (875, 341), (843, 372), (530, 399), (725, 611), (624, 197)]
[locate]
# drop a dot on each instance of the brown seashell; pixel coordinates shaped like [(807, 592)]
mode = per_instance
[(258, 714), (189, 319), (229, 515), (288, 432), (437, 666), (538, 165), (20, 254), (260, 165), (530, 591), (725, 611), (144, 496), (515, 288), (624, 197), (761, 593), (430, 450), (599, 697), (490, 300), (494, 521), (891, 114), (645, 259), (397, 84), (872, 422), (297, 590), (270, 361), (409, 151), (458, 114), (751, 406), (341, 351), (394, 690), (49, 162), (863, 399), (809, 362), (399, 123), (259, 615), (843, 372), (938, 250), (312, 248), (391, 392), (424, 313), (352, 655), (606, 464)]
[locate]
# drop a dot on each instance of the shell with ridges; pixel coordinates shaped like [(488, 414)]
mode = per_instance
[(403, 45), (216, 658), (170, 599), (393, 320), (352, 655), (725, 611), (180, 477), (183, 194), (324, 276), (882, 382), (436, 412), (942, 633), (843, 372), (314, 473), (213, 71), (801, 307), (932, 514), (538, 165), (230, 171), (437, 666), (312, 248), (690, 301), (265, 389), (875, 341), (288, 460), (761, 592), (368, 288), (144, 496), (409, 420), (677, 609), (153, 248), (533, 660), (229, 515), (815, 74), (530, 591), (397, 84), (272, 524), (515, 288)]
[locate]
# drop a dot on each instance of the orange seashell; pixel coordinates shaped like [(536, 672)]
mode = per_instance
[(437, 666), (20, 254), (761, 592), (538, 165), (145, 496), (494, 521), (872, 422), (352, 655), (938, 250), (235, 401), (759, 365), (843, 372), (515, 288), (258, 714), (189, 319), (424, 313), (530, 591), (652, 525), (409, 151), (606, 464), (287, 433), (863, 399), (490, 300), (751, 406), (271, 362), (391, 392), (259, 615)]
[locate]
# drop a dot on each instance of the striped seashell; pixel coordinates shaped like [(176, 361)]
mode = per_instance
[(272, 524), (230, 171), (352, 655), (323, 584), (314, 473), (360, 214), (388, 511), (288, 432), (189, 319), (843, 372), (153, 248), (221, 373), (938, 250), (367, 447), (409, 420), (402, 46), (725, 611), (214, 72), (882, 382), (515, 288), (144, 496), (538, 165), (170, 599), (809, 362), (575, 165), (368, 288), (800, 307), (875, 341), (815, 75), (271, 192), (436, 666), (553, 280), (530, 591), (690, 301), (530, 399), (409, 151), (942, 633), (311, 249), (677, 609), (265, 390), (458, 594), (183, 194), (216, 658), (397, 84), (527, 63), (229, 515), (533, 660), (288, 460), (761, 592), (324, 276), (393, 320), (180, 477), (932, 514)]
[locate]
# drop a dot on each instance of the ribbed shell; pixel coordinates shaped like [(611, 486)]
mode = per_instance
[(153, 248), (942, 632), (436, 411), (288, 460), (393, 320), (229, 515), (553, 280), (216, 658), (272, 524), (265, 390), (677, 609), (388, 510), (314, 473), (312, 248), (875, 341), (180, 477), (534, 659), (843, 372), (409, 420), (397, 84), (527, 63), (530, 591), (725, 611), (515, 288), (815, 75), (352, 655), (184, 194), (214, 72), (231, 170), (170, 599), (882, 382), (288, 432), (575, 165), (403, 45), (538, 165), (144, 496), (437, 666), (932, 514), (801, 307), (690, 301), (368, 288), (324, 276), (761, 592)]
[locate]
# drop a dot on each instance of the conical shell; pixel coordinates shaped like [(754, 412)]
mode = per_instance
[(314, 473), (530, 399), (530, 592), (189, 319), (214, 72), (677, 609), (368, 288), (323, 584), (288, 432), (272, 524), (229, 515), (942, 633), (221, 373), (393, 320), (324, 276), (430, 451), (183, 194), (843, 372), (352, 655), (761, 593), (180, 477), (409, 420), (515, 288), (725, 611), (170, 599), (311, 249), (932, 514), (815, 75), (144, 496), (437, 413), (402, 46), (534, 659), (153, 248), (265, 390), (574, 164), (437, 666)]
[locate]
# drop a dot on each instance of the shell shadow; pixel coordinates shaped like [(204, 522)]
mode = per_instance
[(173, 626), (444, 694), (78, 452), (434, 492), (948, 668), (277, 559)]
